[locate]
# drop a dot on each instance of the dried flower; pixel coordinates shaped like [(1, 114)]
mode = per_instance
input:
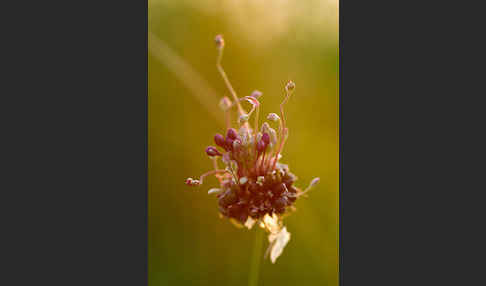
[(254, 187)]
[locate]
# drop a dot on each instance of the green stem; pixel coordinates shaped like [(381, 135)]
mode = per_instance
[(256, 257)]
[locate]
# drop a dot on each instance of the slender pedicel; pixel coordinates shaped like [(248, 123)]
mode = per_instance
[(220, 45), (289, 87)]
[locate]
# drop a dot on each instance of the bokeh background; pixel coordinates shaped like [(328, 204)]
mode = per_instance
[(267, 43)]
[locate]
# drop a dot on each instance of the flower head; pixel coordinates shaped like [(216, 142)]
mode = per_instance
[(254, 188)]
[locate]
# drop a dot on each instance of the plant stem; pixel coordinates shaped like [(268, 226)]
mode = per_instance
[(256, 258), (227, 82)]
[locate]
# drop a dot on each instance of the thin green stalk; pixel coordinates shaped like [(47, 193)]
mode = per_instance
[(256, 257)]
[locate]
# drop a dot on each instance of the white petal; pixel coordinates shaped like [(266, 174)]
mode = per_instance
[(243, 180), (271, 224), (250, 222), (214, 191), (277, 243)]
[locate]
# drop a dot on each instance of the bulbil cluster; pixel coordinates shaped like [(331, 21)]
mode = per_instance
[(254, 186), (257, 189)]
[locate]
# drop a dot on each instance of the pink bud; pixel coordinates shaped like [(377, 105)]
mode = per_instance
[(232, 134), (266, 138), (229, 143), (219, 140), (212, 151), (219, 41), (261, 146)]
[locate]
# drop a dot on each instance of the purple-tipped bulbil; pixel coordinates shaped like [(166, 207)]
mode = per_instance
[(229, 143), (219, 140), (232, 134), (261, 146), (266, 138), (263, 143), (212, 151)]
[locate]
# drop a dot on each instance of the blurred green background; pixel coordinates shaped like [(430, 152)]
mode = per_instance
[(267, 43)]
